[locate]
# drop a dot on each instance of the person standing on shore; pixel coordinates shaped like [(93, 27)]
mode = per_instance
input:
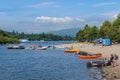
[(116, 59), (112, 60)]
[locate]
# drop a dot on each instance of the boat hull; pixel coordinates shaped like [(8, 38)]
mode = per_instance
[(43, 48), (16, 47), (88, 57), (99, 63), (85, 55), (71, 51)]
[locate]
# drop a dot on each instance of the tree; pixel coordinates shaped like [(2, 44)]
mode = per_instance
[(115, 29), (94, 33), (3, 33), (86, 32), (105, 29), (80, 35)]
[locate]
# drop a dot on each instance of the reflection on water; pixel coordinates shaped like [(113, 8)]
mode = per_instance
[(43, 65)]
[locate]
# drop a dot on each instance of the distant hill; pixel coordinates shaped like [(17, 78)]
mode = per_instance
[(72, 32)]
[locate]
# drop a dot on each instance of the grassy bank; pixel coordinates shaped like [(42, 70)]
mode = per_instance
[(5, 40)]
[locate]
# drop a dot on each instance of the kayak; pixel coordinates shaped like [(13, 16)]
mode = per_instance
[(85, 55), (69, 50)]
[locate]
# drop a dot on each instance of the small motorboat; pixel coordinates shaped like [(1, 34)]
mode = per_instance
[(42, 48), (98, 63), (16, 47), (37, 47), (23, 40), (85, 55), (71, 50)]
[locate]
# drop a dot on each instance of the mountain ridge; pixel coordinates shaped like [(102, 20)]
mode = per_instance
[(70, 32)]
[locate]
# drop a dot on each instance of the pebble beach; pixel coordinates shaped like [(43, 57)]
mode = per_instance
[(108, 72)]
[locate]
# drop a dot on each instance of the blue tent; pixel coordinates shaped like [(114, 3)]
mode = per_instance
[(106, 42), (100, 40)]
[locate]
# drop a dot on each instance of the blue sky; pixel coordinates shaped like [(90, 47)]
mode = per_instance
[(36, 16)]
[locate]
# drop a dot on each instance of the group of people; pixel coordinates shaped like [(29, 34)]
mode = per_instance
[(114, 59)]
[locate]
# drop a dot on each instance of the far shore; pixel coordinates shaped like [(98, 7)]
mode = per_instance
[(109, 72)]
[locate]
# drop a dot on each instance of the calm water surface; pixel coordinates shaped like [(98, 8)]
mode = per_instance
[(51, 64)]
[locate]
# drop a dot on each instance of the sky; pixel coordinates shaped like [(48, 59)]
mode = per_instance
[(37, 16)]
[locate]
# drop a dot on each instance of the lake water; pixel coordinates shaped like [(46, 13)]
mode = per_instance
[(50, 64)]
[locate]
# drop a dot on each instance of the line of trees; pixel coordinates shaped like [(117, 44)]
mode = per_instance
[(13, 37), (40, 36), (107, 30)]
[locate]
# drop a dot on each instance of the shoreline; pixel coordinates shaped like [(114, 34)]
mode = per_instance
[(108, 72)]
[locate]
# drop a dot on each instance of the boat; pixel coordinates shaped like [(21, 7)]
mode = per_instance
[(41, 40), (85, 55), (42, 48), (98, 63), (16, 47), (23, 40), (36, 47), (71, 50)]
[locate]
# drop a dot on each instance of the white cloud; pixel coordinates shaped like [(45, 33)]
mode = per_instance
[(48, 24), (104, 4), (53, 19), (112, 15), (115, 16), (44, 4), (58, 23)]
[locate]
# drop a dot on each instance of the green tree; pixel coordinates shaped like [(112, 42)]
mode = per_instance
[(87, 32), (94, 33), (105, 29), (80, 35), (3, 33), (115, 30)]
